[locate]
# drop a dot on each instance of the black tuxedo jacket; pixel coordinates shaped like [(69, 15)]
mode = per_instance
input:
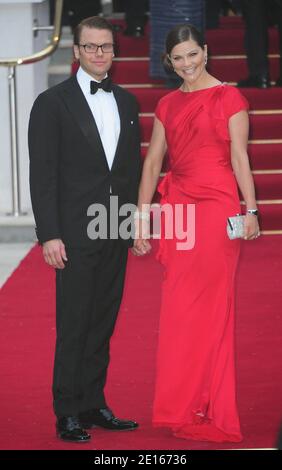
[(68, 166)]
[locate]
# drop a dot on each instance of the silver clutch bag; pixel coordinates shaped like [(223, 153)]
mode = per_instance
[(235, 226)]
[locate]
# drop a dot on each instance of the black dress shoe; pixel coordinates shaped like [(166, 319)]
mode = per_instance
[(104, 418), (69, 429), (254, 82), (279, 82), (137, 32)]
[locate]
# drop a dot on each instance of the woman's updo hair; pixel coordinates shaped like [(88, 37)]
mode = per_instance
[(181, 33)]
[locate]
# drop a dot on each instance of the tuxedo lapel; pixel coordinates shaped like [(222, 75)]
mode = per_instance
[(123, 118), (78, 107)]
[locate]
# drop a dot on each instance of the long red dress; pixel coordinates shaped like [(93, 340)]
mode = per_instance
[(195, 385)]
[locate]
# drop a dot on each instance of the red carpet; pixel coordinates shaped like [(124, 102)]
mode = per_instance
[(218, 41), (261, 157), (270, 98), (27, 305), (261, 127), (229, 70), (27, 344)]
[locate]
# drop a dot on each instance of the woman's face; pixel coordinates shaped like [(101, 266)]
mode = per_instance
[(188, 60)]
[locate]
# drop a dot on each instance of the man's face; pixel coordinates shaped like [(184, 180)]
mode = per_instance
[(96, 63)]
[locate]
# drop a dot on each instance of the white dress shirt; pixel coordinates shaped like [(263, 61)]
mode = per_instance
[(105, 112)]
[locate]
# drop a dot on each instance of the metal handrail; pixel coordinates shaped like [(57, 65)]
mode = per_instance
[(12, 64), (48, 50)]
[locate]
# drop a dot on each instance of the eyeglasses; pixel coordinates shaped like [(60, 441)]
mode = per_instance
[(93, 48)]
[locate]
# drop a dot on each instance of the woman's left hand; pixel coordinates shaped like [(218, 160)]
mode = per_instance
[(251, 227)]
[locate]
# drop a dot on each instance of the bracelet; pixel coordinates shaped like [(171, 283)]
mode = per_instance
[(252, 211), (142, 215)]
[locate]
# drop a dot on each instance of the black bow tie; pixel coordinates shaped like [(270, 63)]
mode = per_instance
[(105, 84)]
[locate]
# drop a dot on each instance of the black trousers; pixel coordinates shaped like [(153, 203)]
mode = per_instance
[(82, 9), (212, 8), (88, 296), (256, 17), (135, 12)]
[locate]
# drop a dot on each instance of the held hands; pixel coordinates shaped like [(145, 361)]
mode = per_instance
[(142, 245), (251, 227), (54, 253)]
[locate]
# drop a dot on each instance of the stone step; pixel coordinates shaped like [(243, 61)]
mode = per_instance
[(17, 229)]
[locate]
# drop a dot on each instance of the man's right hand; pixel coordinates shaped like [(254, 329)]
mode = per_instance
[(141, 247), (54, 253)]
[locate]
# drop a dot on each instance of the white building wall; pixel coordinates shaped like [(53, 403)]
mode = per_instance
[(17, 18)]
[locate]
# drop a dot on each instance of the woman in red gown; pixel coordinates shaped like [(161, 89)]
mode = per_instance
[(204, 127)]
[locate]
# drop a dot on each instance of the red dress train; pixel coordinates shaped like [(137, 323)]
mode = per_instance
[(195, 384)]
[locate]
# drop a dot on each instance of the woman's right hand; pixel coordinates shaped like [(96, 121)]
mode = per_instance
[(141, 246)]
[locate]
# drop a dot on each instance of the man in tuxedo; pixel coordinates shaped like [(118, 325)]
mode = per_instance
[(257, 14), (84, 149)]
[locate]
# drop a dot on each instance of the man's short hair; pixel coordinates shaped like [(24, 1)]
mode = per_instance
[(92, 22)]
